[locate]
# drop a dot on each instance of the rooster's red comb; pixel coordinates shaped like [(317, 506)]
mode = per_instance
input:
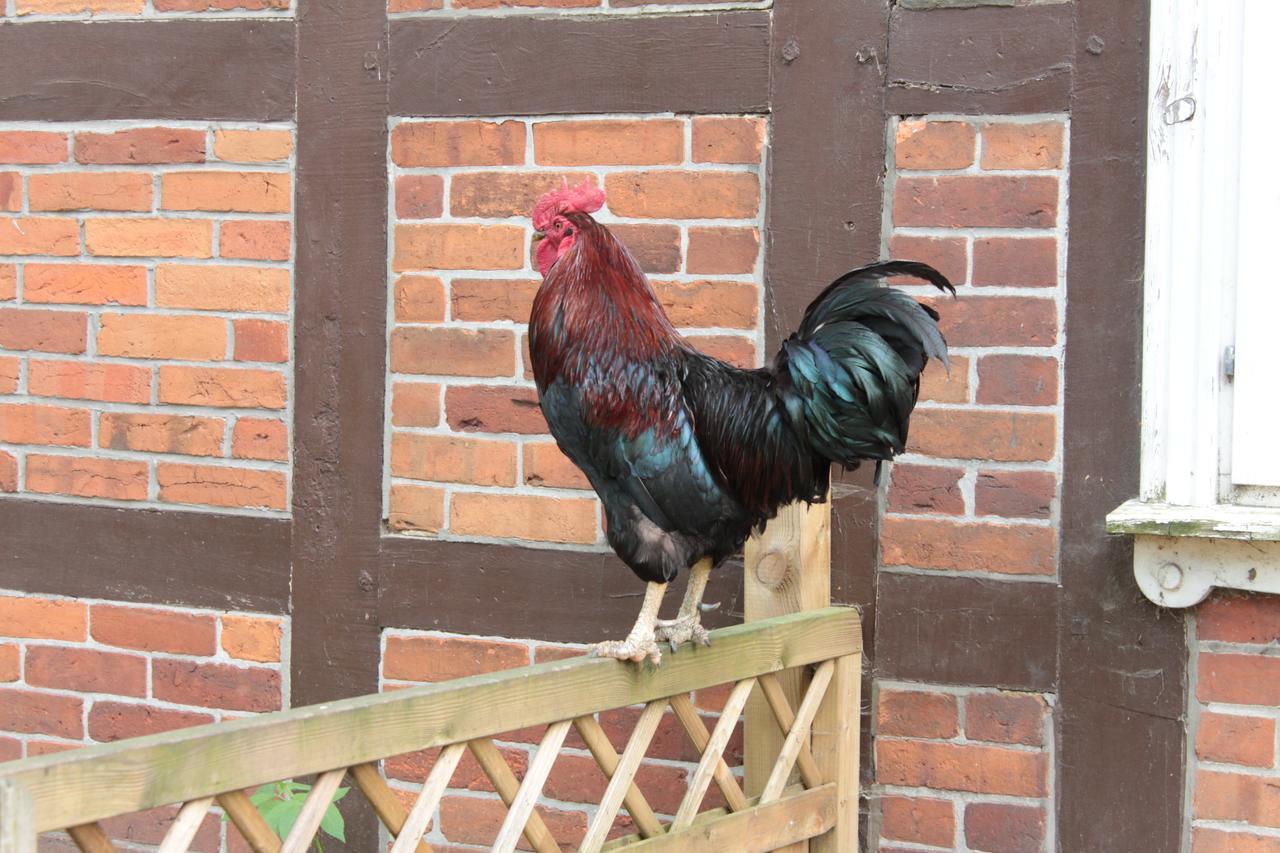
[(584, 198)]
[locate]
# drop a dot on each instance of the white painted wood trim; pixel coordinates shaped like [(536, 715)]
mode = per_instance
[(1175, 571)]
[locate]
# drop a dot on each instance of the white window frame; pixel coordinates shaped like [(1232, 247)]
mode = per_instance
[(1195, 528)]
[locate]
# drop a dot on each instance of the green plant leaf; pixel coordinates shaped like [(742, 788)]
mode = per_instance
[(332, 823)]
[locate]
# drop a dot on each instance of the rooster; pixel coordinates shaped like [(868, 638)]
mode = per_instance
[(687, 453)]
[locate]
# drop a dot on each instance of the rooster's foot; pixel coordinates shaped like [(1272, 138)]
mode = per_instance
[(682, 629), (633, 648)]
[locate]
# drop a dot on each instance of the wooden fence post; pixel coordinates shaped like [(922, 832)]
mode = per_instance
[(788, 569), (17, 819)]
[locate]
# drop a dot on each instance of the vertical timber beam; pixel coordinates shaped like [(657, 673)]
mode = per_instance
[(17, 819), (339, 345)]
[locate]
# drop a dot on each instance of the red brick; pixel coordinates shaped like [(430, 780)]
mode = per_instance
[(419, 299), (112, 721), (10, 192), (458, 143), (1015, 261), (10, 367), (723, 251), (728, 140), (426, 658), (725, 304), (10, 663), (240, 192), (453, 351), (655, 247), (8, 282), (547, 4), (1004, 827), (44, 235), (734, 349), (261, 340), (252, 638), (942, 385), (43, 618), (85, 284), (90, 191), (25, 423), (419, 196), (253, 146), (10, 749), (223, 288), (492, 300), (141, 145), (30, 712), (117, 383), (498, 195), (494, 408), (923, 489), (477, 820), (32, 147), (218, 486), (921, 144), (416, 508), (193, 436), (1235, 618), (222, 387), (153, 630), (918, 819), (962, 767), (149, 828), (985, 435), (1222, 841), (948, 255), (1241, 679), (684, 195), (458, 246), (505, 516), (148, 238), (962, 546), (415, 404), (976, 201), (43, 330), (996, 321), (468, 776), (1018, 380), (453, 459), (1022, 146), (49, 747), (86, 671), (918, 714), (1234, 739), (545, 465), (670, 740), (1005, 718), (1015, 494), (216, 685), (260, 438), (117, 479), (255, 240), (8, 472), (608, 142), (186, 337), (1238, 797)]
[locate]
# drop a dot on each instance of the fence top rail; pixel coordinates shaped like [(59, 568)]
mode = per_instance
[(112, 779)]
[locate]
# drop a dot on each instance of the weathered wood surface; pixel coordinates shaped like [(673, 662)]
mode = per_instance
[(835, 737), (17, 825), (758, 829)]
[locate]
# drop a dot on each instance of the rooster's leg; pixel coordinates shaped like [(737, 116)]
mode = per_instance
[(640, 643), (687, 625)]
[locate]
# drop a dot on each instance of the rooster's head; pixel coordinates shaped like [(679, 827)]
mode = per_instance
[(551, 219)]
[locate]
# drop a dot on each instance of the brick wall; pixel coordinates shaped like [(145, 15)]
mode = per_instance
[(145, 304), (1234, 774), (471, 812), (409, 8), (977, 492), (469, 456), (62, 10)]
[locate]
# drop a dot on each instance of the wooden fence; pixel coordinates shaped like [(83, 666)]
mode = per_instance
[(810, 791)]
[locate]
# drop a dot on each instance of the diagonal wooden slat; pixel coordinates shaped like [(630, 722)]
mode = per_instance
[(410, 832), (711, 755), (249, 821), (621, 781), (385, 804), (317, 803), (534, 778), (698, 736), (602, 750), (777, 699), (185, 826), (507, 785), (799, 732), (90, 838)]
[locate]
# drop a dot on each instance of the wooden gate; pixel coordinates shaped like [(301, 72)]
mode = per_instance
[(345, 740)]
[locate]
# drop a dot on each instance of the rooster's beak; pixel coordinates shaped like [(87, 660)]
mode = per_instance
[(538, 235)]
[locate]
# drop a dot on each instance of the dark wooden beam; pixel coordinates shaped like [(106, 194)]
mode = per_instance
[(981, 60), (712, 63), (197, 70), (1123, 689), (189, 559)]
